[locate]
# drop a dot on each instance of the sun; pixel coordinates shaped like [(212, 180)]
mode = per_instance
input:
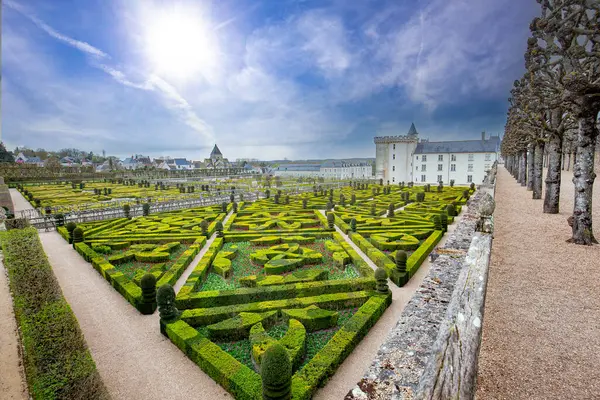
[(180, 44)]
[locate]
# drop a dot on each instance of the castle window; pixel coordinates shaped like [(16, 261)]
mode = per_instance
[(471, 157), (441, 157), (423, 168), (424, 158), (488, 157), (394, 146), (470, 167), (423, 178), (393, 156), (453, 157), (469, 178), (440, 166), (393, 167), (439, 178), (452, 167)]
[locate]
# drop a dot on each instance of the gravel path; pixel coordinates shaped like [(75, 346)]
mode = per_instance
[(134, 359), (541, 330), (12, 383), (354, 366)]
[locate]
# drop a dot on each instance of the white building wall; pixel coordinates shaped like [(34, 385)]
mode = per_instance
[(400, 162), (473, 165)]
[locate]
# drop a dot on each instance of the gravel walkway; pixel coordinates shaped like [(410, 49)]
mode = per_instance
[(541, 330), (12, 382), (134, 359)]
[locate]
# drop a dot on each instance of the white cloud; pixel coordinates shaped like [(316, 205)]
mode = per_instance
[(175, 100)]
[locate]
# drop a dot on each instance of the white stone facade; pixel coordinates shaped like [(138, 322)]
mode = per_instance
[(406, 158)]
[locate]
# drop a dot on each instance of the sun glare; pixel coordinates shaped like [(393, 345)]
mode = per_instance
[(180, 44)]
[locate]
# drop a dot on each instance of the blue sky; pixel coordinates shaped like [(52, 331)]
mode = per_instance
[(263, 79)]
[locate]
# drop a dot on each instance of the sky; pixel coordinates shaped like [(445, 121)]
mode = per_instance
[(266, 79)]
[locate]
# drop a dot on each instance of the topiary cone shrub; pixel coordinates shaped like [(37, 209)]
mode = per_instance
[(466, 195), (472, 186), (146, 209), (391, 209), (70, 228), (444, 222), (381, 278), (224, 207), (219, 229), (330, 220), (276, 373), (440, 187), (148, 285), (437, 223), (353, 199), (234, 207), (59, 219), (304, 203), (451, 210), (127, 211), (77, 235), (401, 258), (231, 198), (165, 299), (373, 210), (451, 182), (353, 224), (267, 193), (287, 199)]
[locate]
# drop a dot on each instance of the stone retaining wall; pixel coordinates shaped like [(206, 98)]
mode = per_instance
[(407, 364)]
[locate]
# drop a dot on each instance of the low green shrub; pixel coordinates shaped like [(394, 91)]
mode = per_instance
[(57, 362)]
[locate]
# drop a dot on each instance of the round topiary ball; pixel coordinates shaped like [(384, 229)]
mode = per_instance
[(276, 373), (148, 281), (77, 235)]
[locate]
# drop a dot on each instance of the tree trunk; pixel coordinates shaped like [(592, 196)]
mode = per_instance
[(522, 168), (583, 179), (531, 150), (538, 166), (552, 195)]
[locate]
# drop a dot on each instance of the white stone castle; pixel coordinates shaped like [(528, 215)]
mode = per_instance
[(406, 158)]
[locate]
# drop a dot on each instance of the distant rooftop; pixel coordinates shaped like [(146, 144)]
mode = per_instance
[(490, 145)]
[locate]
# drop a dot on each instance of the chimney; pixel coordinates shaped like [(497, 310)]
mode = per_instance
[(483, 135)]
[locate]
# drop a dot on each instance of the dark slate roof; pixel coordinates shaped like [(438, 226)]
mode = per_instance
[(412, 130), (33, 160), (298, 167), (181, 161), (460, 146), (215, 151)]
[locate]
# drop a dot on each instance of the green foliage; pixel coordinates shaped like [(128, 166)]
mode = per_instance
[(312, 317), (102, 249), (391, 209), (70, 228), (146, 209), (148, 285), (77, 235), (165, 298), (437, 223), (276, 373), (444, 222), (381, 278), (400, 259), (330, 220), (56, 359), (127, 211), (353, 224), (219, 229), (451, 210), (204, 227), (239, 326)]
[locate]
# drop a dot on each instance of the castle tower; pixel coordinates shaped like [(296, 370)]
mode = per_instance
[(393, 156), (216, 154)]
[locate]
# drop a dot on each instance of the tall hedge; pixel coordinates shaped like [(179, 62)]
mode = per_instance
[(57, 362)]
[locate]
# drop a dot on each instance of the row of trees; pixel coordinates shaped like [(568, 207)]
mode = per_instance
[(555, 106)]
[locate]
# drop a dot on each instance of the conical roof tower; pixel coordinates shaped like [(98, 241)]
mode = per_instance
[(412, 131)]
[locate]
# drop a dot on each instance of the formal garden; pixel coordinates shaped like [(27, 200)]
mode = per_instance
[(279, 286)]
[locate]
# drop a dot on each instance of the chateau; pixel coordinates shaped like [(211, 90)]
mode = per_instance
[(407, 158)]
